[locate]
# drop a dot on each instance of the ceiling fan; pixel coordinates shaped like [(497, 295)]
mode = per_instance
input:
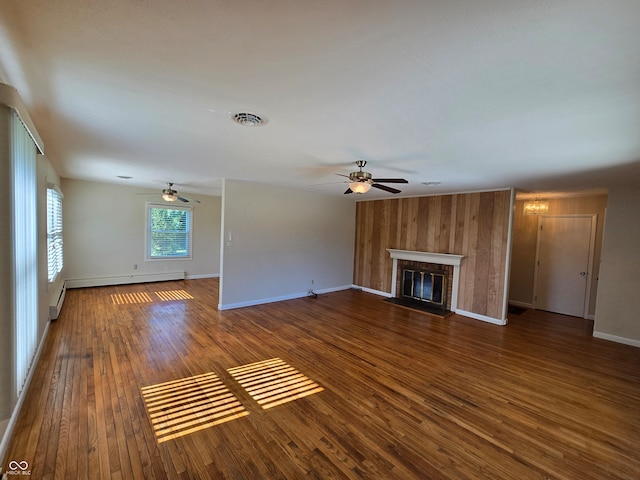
[(171, 195), (361, 181)]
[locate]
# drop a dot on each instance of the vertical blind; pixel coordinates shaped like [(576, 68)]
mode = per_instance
[(54, 233), (25, 249)]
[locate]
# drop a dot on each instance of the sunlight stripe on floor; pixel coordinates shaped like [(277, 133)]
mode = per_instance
[(173, 295), (187, 405), (130, 298), (273, 382)]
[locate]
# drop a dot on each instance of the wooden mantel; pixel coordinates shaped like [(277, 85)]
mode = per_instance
[(428, 257)]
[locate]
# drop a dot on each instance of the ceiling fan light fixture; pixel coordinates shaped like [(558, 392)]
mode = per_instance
[(360, 187), (169, 197), (169, 194)]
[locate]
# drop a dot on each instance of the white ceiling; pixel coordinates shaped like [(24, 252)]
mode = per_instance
[(477, 94)]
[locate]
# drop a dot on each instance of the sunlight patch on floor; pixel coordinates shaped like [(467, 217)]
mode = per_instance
[(188, 405), (143, 297), (130, 298), (273, 382), (173, 295)]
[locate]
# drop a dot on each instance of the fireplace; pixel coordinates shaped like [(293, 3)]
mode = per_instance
[(427, 286), (424, 280)]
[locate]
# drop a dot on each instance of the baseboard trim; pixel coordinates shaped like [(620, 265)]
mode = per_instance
[(206, 275), (123, 279), (7, 430), (516, 303), (293, 296), (484, 318), (371, 290), (614, 338), (476, 316)]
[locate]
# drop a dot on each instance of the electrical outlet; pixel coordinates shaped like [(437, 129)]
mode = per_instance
[(135, 266)]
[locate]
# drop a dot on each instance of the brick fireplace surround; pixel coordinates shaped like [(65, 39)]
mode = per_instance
[(428, 258)]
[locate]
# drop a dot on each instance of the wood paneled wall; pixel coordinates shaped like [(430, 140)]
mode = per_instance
[(473, 224)]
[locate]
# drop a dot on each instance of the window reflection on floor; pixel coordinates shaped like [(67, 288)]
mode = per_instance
[(191, 404), (130, 298), (273, 382), (143, 297)]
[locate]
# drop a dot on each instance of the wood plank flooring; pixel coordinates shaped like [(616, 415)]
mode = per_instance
[(402, 395)]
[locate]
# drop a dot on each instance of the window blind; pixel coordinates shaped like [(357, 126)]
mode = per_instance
[(168, 232), (25, 249), (54, 233)]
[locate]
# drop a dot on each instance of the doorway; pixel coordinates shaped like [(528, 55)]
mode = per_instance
[(564, 262)]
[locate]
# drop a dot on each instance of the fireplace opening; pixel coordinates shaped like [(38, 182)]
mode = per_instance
[(426, 286)]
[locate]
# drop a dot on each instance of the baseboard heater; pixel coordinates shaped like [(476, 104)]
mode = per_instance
[(54, 310), (124, 279)]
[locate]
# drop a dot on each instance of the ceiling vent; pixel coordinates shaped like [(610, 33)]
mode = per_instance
[(248, 119)]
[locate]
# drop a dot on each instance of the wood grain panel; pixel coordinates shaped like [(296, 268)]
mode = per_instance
[(474, 225), (406, 396)]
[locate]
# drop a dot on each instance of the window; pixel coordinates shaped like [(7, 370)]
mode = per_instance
[(168, 232), (25, 251), (54, 232)]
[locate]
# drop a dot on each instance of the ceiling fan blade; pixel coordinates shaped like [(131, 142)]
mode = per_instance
[(390, 180), (187, 200), (328, 183), (385, 188), (348, 191), (345, 176)]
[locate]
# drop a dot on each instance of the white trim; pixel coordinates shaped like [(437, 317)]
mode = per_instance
[(206, 275), (516, 303), (507, 260), (123, 279), (5, 433), (371, 290), (293, 296), (465, 192), (614, 338), (55, 187), (10, 97), (189, 224), (428, 257), (476, 316), (484, 318)]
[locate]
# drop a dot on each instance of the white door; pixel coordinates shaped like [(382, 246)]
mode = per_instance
[(564, 258)]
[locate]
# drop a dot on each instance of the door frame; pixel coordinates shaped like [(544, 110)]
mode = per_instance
[(592, 245)]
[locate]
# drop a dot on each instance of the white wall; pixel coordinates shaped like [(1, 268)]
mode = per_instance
[(618, 305), (284, 242), (104, 234)]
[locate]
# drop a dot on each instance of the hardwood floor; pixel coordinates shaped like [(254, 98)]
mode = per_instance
[(399, 395)]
